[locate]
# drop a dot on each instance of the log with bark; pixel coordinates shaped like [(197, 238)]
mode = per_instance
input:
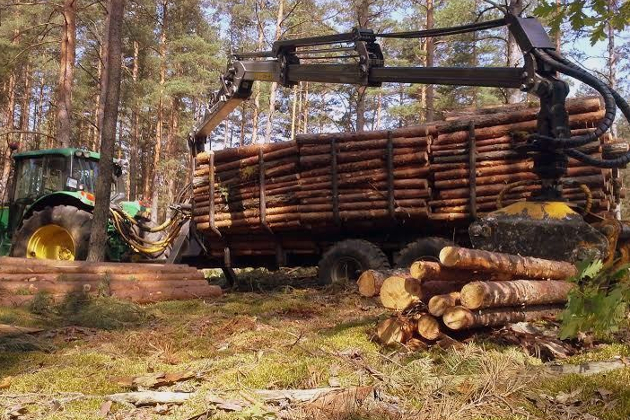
[(515, 265), (370, 281), (140, 283), (399, 292), (460, 318), (479, 295)]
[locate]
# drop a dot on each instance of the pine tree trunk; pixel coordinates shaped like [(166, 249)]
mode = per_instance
[(66, 74), (25, 107), (97, 101), (513, 52), (293, 110), (111, 94), (259, 45), (305, 109), (134, 162), (241, 139), (430, 45), (159, 127), (274, 85), (38, 115)]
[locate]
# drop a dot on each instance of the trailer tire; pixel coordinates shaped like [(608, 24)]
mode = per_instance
[(58, 233), (424, 248), (347, 259)]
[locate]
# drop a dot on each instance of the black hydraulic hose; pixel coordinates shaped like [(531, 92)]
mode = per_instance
[(621, 161), (609, 103), (454, 30)]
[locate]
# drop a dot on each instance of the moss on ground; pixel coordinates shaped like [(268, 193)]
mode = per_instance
[(283, 338)]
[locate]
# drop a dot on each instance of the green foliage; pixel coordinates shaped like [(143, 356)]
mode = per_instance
[(598, 303), (592, 15)]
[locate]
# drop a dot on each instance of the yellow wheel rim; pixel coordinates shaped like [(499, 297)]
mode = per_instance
[(51, 242)]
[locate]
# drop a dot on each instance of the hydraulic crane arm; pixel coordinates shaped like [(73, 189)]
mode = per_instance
[(358, 59)]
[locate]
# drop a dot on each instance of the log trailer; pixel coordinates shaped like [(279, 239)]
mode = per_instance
[(543, 226)]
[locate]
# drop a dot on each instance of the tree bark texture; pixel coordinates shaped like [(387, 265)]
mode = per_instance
[(110, 90)]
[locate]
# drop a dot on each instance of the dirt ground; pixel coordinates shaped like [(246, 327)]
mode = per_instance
[(273, 335)]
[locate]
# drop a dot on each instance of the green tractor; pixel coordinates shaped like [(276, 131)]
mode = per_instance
[(49, 204)]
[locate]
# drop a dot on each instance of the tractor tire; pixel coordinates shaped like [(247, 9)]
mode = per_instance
[(421, 249), (55, 233), (346, 260)]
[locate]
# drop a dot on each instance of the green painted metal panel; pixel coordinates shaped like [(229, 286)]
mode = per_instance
[(68, 151)]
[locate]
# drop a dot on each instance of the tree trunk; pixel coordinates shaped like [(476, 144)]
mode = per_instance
[(241, 139), (430, 45), (157, 148), (294, 110), (274, 85), (491, 294), (39, 111), (134, 162), (25, 107), (513, 52), (66, 74), (98, 113), (259, 44), (110, 92)]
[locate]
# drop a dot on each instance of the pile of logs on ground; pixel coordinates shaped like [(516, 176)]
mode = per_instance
[(444, 171), (467, 289), (23, 279)]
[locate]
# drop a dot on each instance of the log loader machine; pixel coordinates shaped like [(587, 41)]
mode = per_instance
[(543, 226)]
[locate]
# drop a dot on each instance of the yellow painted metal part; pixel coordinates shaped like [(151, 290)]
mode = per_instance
[(51, 242), (538, 210)]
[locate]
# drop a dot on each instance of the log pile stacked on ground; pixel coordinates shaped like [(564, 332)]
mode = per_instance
[(466, 289), (388, 178), (23, 279)]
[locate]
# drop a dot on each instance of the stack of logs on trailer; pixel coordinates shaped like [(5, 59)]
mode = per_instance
[(466, 289), (445, 171)]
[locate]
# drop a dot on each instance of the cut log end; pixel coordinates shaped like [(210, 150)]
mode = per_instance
[(440, 303), (458, 318), (395, 330), (399, 293), (472, 295), (428, 327)]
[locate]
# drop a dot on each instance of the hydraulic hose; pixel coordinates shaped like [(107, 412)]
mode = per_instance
[(603, 89), (620, 102)]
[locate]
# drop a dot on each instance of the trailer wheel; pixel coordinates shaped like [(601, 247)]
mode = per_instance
[(54, 233), (346, 260), (425, 248)]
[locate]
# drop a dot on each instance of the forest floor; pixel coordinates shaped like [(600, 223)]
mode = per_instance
[(277, 336)]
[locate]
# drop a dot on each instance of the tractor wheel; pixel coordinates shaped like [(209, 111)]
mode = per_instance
[(421, 249), (54, 233), (346, 260)]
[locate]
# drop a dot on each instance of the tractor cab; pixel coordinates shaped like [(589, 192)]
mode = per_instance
[(50, 201), (40, 174)]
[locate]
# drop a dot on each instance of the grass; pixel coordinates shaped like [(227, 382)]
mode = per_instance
[(279, 338)]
